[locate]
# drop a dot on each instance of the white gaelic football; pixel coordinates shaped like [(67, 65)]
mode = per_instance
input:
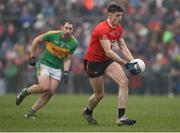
[(140, 64)]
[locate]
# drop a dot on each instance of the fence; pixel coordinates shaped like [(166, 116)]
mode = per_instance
[(148, 83)]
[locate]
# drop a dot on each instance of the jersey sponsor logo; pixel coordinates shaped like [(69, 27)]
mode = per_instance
[(56, 50)]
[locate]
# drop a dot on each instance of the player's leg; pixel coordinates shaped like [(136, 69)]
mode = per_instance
[(44, 98), (44, 84), (46, 95), (35, 88), (43, 75), (98, 88), (51, 84), (115, 72), (97, 84)]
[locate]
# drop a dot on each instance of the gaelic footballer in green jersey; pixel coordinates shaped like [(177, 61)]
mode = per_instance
[(60, 45), (57, 48)]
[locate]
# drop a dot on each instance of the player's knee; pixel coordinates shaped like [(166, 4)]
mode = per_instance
[(51, 92), (44, 88), (124, 82)]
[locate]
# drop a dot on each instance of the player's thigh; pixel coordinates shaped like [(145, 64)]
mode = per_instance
[(97, 84), (43, 77), (43, 81), (53, 84), (116, 73)]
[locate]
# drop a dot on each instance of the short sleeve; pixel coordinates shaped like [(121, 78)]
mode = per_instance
[(75, 45), (47, 36), (101, 33)]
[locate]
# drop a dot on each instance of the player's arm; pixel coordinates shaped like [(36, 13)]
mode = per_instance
[(124, 50), (39, 39), (106, 44), (127, 54), (111, 54), (35, 43), (67, 62)]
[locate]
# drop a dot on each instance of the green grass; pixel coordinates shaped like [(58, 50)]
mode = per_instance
[(63, 113)]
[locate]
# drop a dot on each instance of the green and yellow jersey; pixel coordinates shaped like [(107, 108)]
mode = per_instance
[(57, 48)]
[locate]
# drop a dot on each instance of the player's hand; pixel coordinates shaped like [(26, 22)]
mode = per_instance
[(32, 61), (131, 68), (66, 76)]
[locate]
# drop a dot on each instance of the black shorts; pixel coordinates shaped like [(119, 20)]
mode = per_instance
[(95, 69)]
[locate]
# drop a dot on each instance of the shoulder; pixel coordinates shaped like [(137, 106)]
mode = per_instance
[(50, 35), (53, 32), (74, 40), (102, 27)]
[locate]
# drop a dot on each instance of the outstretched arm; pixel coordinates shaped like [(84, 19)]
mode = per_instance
[(124, 50), (111, 54), (106, 44), (67, 62), (35, 43)]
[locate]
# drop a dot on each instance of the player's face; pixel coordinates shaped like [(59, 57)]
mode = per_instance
[(67, 29), (115, 18)]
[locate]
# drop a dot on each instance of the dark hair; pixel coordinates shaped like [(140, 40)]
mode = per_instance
[(68, 21), (115, 8)]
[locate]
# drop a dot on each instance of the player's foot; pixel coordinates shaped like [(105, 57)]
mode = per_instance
[(89, 118), (30, 114), (19, 98), (125, 121)]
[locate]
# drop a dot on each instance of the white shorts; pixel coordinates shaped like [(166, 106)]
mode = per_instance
[(51, 72)]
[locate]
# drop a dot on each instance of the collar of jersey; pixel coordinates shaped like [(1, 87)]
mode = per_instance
[(110, 24)]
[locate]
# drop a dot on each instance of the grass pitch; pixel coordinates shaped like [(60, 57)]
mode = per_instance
[(63, 113)]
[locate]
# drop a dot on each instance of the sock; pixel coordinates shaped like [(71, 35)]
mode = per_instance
[(31, 111), (121, 112), (25, 92), (88, 111)]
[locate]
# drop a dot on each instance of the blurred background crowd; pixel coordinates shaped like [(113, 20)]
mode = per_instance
[(151, 30)]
